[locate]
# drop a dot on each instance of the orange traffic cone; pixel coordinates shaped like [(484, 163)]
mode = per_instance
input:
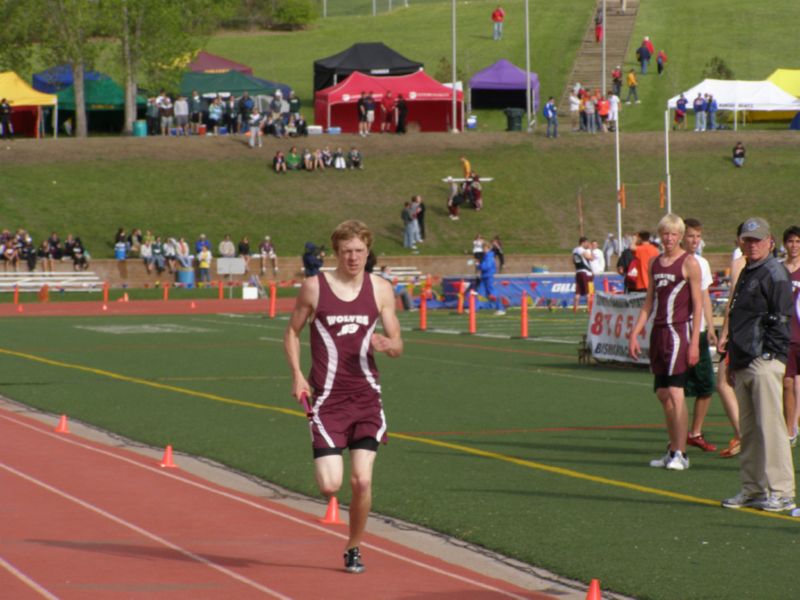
[(193, 305), (19, 308), (332, 514), (594, 590), (166, 461), (62, 425)]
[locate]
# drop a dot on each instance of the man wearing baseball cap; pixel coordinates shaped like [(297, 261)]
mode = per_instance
[(760, 313)]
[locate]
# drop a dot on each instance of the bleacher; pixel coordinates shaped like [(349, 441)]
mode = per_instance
[(69, 281)]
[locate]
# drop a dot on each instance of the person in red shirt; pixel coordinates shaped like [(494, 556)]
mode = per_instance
[(388, 107), (498, 16)]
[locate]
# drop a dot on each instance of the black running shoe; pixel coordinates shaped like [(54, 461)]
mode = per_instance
[(352, 561)]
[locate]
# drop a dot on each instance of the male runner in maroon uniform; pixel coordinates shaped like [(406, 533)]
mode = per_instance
[(674, 296), (343, 307), (791, 388)]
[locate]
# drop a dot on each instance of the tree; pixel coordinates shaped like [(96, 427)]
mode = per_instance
[(157, 37), (66, 36)]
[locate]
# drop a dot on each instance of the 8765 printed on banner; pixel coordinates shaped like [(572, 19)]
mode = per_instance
[(611, 321)]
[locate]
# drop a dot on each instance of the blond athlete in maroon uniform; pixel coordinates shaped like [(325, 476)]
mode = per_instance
[(343, 308), (673, 294)]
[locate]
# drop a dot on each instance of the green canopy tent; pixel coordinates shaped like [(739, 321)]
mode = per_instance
[(105, 104), (232, 82)]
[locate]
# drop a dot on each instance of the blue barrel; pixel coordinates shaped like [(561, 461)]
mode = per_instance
[(185, 277), (140, 128), (120, 251)]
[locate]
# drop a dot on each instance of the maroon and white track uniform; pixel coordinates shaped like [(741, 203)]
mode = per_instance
[(793, 362), (672, 320), (347, 401)]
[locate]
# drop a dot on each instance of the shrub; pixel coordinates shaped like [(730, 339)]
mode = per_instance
[(294, 14), (717, 69)]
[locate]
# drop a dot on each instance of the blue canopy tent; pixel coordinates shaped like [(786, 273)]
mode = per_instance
[(57, 78)]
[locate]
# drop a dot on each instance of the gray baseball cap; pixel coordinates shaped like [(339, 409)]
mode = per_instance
[(756, 228)]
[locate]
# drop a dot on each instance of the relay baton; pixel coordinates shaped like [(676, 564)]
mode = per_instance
[(306, 405)]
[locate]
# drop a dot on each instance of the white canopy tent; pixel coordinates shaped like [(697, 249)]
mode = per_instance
[(741, 96)]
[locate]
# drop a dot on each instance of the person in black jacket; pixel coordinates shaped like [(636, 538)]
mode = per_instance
[(313, 259), (758, 343)]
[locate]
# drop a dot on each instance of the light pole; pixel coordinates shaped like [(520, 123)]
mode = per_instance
[(619, 182), (603, 89), (528, 98), (666, 154), (454, 122)]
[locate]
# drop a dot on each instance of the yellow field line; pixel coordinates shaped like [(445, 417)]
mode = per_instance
[(152, 384), (521, 462)]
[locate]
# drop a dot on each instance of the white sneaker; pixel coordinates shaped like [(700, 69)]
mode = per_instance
[(499, 312), (679, 462), (660, 463)]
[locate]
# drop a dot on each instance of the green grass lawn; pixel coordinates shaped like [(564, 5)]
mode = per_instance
[(532, 203), (749, 36), (508, 444)]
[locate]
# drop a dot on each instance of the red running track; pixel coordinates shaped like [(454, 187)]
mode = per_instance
[(82, 520)]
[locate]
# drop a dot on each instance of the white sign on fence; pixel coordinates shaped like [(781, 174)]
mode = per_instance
[(610, 324)]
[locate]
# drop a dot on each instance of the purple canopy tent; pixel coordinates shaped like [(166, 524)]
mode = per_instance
[(502, 85)]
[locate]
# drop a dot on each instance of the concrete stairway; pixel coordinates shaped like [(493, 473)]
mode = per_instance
[(589, 61)]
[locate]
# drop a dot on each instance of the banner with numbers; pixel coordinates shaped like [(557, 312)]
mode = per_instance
[(610, 324)]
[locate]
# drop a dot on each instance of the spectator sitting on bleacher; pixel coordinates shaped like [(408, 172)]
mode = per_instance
[(135, 241), (157, 252), (293, 159), (146, 254), (226, 248), (182, 254), (28, 253), (80, 256), (279, 162), (43, 252), (356, 161), (55, 246), (170, 254), (267, 251)]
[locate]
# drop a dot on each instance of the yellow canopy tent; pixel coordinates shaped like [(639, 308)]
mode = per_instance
[(789, 81), (26, 104)]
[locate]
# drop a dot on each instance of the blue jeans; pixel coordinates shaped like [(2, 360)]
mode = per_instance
[(632, 92), (700, 121), (712, 121), (497, 32), (645, 61), (552, 126), (409, 240)]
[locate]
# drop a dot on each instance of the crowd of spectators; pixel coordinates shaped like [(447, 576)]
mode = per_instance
[(170, 254), (591, 111), (317, 160), (19, 248), (181, 115)]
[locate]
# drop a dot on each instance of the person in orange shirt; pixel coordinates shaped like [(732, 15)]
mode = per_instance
[(644, 254), (603, 108)]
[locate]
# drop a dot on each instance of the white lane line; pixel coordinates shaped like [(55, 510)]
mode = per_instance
[(263, 508), (142, 532), (26, 580)]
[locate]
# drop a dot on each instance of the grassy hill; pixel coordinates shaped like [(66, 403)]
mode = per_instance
[(753, 39), (182, 187)]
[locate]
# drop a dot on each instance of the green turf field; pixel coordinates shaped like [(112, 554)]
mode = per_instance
[(505, 443)]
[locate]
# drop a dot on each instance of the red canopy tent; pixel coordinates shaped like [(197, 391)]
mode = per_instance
[(205, 62), (430, 104)]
